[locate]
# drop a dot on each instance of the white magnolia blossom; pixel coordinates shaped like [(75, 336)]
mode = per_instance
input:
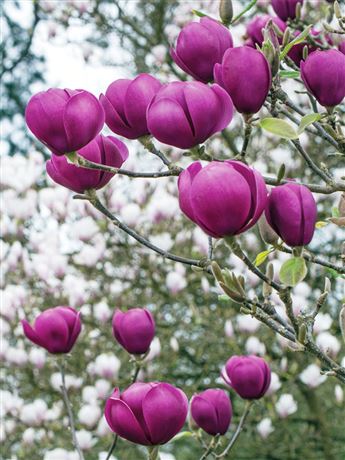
[(105, 365), (265, 428), (253, 346), (60, 454), (37, 357), (286, 405), (274, 385), (85, 439), (70, 381), (175, 282), (174, 344), (89, 414), (311, 376), (323, 322), (34, 414), (328, 343), (102, 312), (155, 349), (29, 436), (229, 328), (246, 323), (103, 428)]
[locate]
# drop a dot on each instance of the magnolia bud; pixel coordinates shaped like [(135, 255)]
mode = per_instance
[(226, 11), (267, 233)]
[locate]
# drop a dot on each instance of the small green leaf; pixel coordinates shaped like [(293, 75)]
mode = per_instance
[(335, 212), (200, 14), (261, 257), (321, 224), (308, 120), (182, 435), (293, 271), (279, 127), (299, 39), (289, 74), (281, 173)]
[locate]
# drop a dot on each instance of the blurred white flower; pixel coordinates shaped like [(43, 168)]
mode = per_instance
[(339, 394), (229, 328), (89, 394), (37, 357), (265, 427), (84, 229), (175, 282), (311, 376), (70, 380), (286, 405), (85, 439), (274, 385), (103, 428), (174, 344), (29, 436), (253, 346), (323, 322), (155, 349), (33, 414), (16, 356), (89, 414), (130, 213), (102, 312), (103, 388), (57, 454), (166, 456), (328, 343), (246, 323), (106, 366)]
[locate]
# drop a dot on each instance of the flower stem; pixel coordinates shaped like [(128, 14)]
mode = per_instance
[(238, 430), (69, 410), (153, 452)]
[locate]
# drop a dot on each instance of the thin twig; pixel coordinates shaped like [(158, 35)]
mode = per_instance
[(69, 411)]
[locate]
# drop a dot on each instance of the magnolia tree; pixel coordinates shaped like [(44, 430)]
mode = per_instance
[(178, 283)]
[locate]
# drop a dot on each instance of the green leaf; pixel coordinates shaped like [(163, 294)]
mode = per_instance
[(308, 120), (299, 39), (200, 14), (321, 224), (261, 257), (182, 435), (335, 212), (279, 127), (289, 74), (293, 271)]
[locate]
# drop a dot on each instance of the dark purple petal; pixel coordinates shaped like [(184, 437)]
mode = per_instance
[(184, 186)]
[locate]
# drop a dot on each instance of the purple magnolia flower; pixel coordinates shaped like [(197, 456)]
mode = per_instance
[(256, 25), (184, 114), (147, 413), (134, 329), (223, 198), (106, 150), (249, 376), (125, 103), (323, 73), (291, 212), (199, 46), (212, 411), (246, 75), (285, 9), (56, 329), (64, 120)]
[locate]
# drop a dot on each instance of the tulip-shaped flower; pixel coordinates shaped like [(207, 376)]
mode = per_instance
[(211, 410), (147, 413), (223, 198), (256, 25), (184, 114), (323, 73), (291, 212), (56, 329), (106, 150), (286, 9), (134, 329), (249, 376), (125, 103), (64, 120), (342, 46), (246, 75), (199, 46)]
